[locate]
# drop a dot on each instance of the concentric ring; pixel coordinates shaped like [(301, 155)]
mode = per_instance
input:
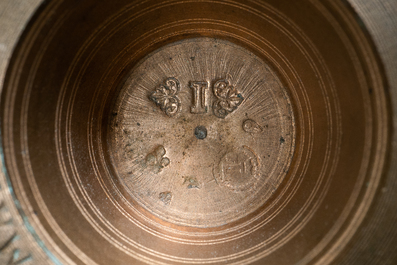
[(56, 112)]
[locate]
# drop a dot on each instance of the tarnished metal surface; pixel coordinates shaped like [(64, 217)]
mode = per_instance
[(192, 132), (227, 146), (17, 243)]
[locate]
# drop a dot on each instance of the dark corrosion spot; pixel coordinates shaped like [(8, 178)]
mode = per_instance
[(200, 132)]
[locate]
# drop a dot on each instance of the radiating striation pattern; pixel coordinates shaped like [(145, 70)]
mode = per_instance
[(200, 123)]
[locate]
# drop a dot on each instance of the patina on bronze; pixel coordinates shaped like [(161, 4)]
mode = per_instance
[(196, 132), (211, 90)]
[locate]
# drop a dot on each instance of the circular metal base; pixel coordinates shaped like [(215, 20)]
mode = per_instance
[(195, 132), (218, 143)]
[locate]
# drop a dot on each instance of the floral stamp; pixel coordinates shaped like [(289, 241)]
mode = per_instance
[(228, 98), (166, 97)]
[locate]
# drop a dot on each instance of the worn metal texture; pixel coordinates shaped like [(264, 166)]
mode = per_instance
[(229, 139), (198, 132), (18, 242)]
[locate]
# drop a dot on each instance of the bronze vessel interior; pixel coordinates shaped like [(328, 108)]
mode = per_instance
[(199, 132)]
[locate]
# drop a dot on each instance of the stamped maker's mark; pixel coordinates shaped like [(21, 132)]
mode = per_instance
[(192, 182), (228, 98), (166, 96), (156, 159), (200, 91), (251, 126), (238, 170), (225, 100), (165, 197)]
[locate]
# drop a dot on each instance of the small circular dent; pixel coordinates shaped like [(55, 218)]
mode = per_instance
[(200, 132)]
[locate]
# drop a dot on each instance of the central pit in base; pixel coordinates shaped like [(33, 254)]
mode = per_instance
[(202, 133)]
